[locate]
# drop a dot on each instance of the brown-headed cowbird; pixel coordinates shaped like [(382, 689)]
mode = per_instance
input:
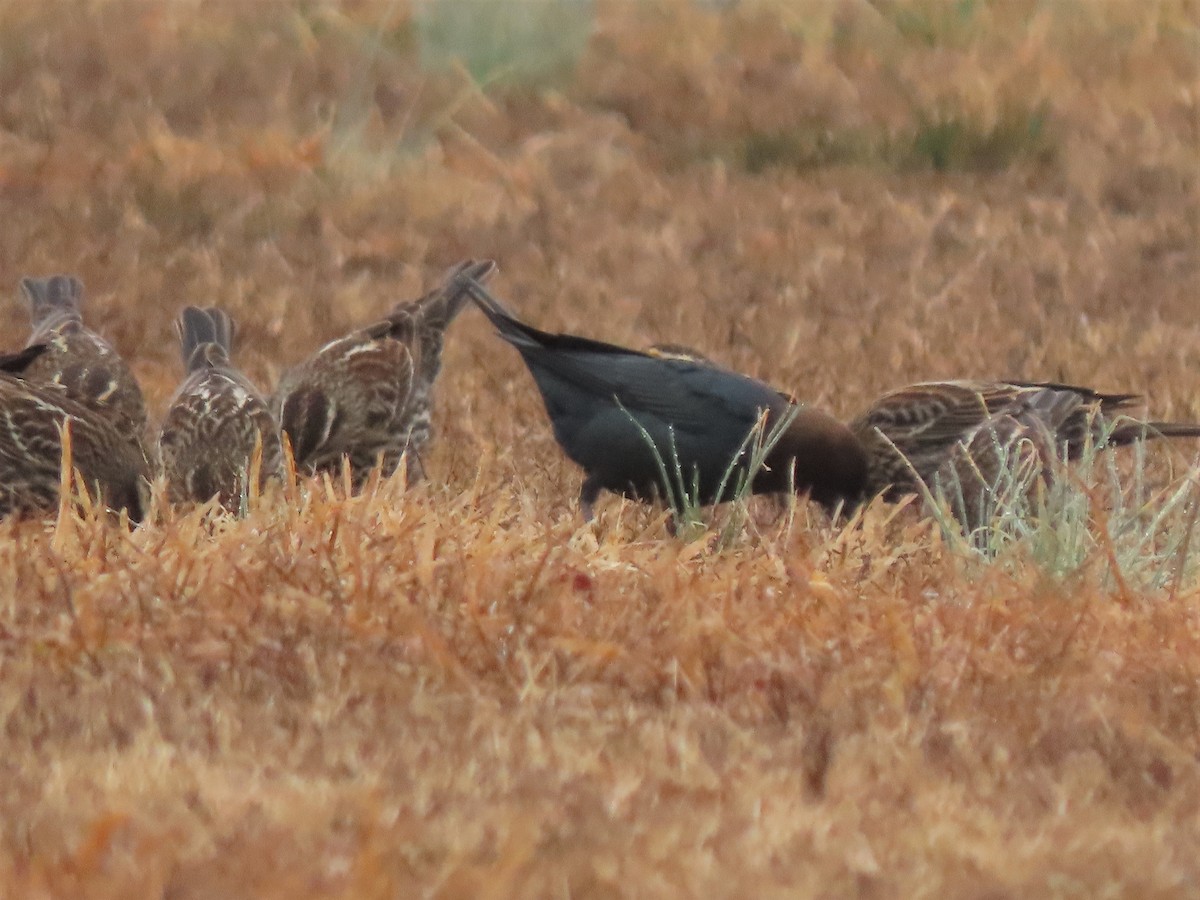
[(217, 421), (366, 397), (76, 357), (625, 415), (34, 416)]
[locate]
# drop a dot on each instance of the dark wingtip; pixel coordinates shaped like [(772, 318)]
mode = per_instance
[(18, 362), (1135, 431)]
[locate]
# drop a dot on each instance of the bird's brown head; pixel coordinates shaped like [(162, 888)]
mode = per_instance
[(819, 456)]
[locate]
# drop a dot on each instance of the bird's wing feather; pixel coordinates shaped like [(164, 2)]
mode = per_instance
[(937, 412)]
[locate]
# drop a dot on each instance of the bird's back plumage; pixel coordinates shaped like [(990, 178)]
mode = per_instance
[(217, 420), (33, 419), (624, 415), (366, 397), (76, 357), (915, 432)]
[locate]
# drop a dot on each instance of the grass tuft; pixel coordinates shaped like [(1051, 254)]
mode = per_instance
[(532, 43), (451, 688)]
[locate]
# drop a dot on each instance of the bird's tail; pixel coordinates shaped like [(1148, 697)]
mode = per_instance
[(454, 293), (437, 309), (53, 300), (16, 363), (1129, 432), (1052, 407), (205, 337), (510, 327)]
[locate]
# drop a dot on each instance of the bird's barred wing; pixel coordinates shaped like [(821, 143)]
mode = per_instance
[(937, 413), (349, 391)]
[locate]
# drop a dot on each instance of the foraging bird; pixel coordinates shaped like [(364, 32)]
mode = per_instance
[(979, 442), (366, 397), (217, 421), (76, 357), (609, 404), (1007, 458), (33, 417), (911, 432)]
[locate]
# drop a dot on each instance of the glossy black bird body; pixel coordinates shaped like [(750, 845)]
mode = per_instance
[(33, 417), (216, 420), (77, 358), (609, 404), (366, 397)]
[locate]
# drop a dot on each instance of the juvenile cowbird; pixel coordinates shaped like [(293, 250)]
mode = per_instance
[(215, 420), (33, 416), (78, 358), (607, 404), (366, 397), (913, 432)]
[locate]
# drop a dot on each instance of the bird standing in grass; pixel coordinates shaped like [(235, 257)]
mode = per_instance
[(624, 415), (218, 426), (34, 417), (76, 357), (981, 442), (366, 397), (960, 435)]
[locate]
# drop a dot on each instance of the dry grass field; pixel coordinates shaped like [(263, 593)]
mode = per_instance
[(460, 690)]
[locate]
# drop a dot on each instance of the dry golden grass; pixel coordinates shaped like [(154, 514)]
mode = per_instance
[(460, 691)]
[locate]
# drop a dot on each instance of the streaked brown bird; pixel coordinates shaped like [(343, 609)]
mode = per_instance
[(623, 414), (76, 357), (926, 432), (366, 397), (217, 421), (33, 417), (1006, 459), (979, 441)]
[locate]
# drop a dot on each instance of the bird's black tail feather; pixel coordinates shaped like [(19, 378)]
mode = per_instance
[(510, 327), (454, 292), (200, 328), (437, 309), (1130, 432), (17, 362), (527, 338)]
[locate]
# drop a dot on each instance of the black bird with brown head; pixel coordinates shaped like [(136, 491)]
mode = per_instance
[(623, 414)]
